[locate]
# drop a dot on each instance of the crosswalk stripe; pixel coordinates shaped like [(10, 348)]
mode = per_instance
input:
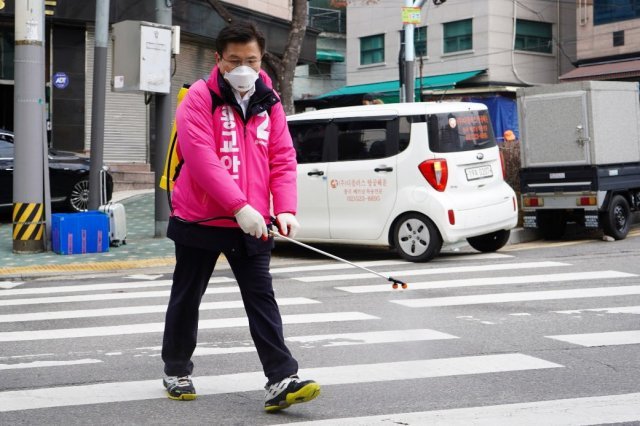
[(135, 310), (63, 396), (560, 412), (116, 330), (390, 336), (576, 293), (39, 364), (99, 287), (616, 310), (612, 338), (487, 281), (107, 296), (456, 257), (434, 271), (336, 266)]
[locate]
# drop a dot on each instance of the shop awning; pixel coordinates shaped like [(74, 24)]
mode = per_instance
[(324, 55), (610, 71), (391, 88)]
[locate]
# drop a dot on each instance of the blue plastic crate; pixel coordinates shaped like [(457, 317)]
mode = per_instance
[(79, 233)]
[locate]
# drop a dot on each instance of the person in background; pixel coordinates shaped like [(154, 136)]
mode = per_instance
[(367, 99), (238, 157)]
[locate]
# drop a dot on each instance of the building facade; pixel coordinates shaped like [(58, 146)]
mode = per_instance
[(462, 46), (608, 41), (69, 47)]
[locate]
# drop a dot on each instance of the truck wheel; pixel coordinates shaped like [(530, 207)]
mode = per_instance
[(616, 221), (490, 242), (552, 225), (416, 238)]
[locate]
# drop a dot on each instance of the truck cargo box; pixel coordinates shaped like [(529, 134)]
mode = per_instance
[(579, 123)]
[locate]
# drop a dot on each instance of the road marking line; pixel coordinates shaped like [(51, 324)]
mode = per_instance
[(473, 282), (100, 287), (107, 296), (560, 412), (135, 310), (526, 296), (99, 393), (612, 338), (434, 271), (39, 364), (372, 337), (158, 327), (616, 310)]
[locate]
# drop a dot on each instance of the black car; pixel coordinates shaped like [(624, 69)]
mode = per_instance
[(68, 177)]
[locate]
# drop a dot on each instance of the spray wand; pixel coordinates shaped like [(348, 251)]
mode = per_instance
[(395, 282)]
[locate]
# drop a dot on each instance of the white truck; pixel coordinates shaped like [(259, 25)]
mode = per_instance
[(580, 156)]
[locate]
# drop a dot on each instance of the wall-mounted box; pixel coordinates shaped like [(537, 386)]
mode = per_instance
[(141, 57)]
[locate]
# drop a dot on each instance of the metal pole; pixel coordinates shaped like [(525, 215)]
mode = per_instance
[(162, 133), (28, 175), (409, 57), (98, 101)]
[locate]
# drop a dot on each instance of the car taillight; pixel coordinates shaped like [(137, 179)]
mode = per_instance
[(435, 172), (504, 166)]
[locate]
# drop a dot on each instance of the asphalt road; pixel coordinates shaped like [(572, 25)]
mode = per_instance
[(542, 332)]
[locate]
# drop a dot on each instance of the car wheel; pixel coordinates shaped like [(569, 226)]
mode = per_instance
[(616, 221), (490, 242), (78, 199), (416, 238), (552, 224)]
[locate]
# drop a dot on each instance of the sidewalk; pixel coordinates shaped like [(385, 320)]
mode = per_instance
[(141, 251)]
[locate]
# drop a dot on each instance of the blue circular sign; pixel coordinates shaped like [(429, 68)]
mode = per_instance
[(60, 80)]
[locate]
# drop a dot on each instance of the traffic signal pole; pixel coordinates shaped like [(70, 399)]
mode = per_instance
[(29, 219), (409, 52)]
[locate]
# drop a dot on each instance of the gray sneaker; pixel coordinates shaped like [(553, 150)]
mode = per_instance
[(180, 388), (290, 390)]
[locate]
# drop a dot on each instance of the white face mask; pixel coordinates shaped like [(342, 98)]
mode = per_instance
[(242, 78)]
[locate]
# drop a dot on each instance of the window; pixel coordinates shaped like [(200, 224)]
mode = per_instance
[(360, 140), (618, 38), (607, 11), (460, 131), (533, 36), (420, 41), (308, 141), (7, 52), (458, 36), (372, 49)]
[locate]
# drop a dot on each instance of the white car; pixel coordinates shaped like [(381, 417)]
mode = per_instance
[(409, 176)]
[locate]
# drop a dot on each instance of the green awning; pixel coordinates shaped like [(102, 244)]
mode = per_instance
[(391, 88), (323, 55)]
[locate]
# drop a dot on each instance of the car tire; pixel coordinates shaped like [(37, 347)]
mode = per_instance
[(490, 242), (617, 220), (78, 199), (416, 238)]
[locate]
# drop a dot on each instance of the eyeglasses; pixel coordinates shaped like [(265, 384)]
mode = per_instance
[(235, 63)]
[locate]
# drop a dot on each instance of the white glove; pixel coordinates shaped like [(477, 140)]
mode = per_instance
[(287, 224), (251, 222)]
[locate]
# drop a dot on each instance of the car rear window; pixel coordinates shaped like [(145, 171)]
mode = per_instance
[(460, 131)]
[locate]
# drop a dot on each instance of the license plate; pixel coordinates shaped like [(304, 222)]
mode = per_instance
[(474, 173)]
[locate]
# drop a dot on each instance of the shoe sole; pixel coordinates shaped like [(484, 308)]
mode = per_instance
[(306, 394), (184, 397)]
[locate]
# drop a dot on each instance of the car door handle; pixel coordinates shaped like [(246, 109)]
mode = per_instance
[(383, 169), (315, 173)]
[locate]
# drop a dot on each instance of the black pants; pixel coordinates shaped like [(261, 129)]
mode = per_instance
[(193, 270)]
